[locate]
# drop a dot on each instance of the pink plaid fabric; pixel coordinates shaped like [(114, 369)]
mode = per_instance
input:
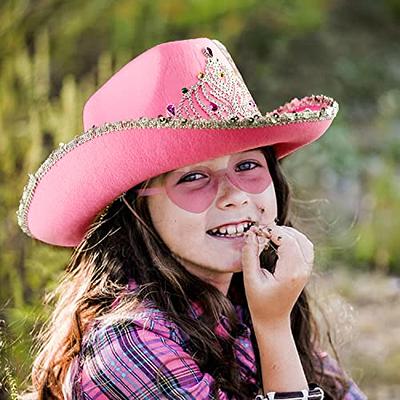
[(147, 357)]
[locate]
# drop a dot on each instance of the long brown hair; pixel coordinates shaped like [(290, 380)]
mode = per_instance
[(122, 244)]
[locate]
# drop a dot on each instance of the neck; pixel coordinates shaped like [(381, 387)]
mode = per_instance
[(220, 280), (222, 283)]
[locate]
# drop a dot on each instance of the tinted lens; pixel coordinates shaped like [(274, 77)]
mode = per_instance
[(193, 191), (251, 176)]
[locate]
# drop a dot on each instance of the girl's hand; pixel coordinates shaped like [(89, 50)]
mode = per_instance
[(271, 297)]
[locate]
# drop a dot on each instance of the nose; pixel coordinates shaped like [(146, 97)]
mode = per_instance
[(228, 195)]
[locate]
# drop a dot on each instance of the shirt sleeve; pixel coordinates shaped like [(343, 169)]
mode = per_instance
[(354, 392), (126, 360)]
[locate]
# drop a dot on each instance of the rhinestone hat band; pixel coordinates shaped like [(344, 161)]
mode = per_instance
[(220, 93)]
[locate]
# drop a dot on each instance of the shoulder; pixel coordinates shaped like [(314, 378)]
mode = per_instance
[(143, 323), (141, 357)]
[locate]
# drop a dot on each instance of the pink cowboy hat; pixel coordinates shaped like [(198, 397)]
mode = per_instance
[(176, 104)]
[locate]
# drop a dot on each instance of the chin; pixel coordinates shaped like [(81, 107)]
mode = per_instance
[(230, 267)]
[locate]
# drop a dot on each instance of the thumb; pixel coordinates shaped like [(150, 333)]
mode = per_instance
[(250, 256)]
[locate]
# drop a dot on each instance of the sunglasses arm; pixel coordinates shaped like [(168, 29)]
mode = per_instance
[(150, 191)]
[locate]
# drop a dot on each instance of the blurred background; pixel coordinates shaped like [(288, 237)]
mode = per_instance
[(346, 186)]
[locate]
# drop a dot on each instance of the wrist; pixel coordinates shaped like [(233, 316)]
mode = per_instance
[(280, 362), (281, 325)]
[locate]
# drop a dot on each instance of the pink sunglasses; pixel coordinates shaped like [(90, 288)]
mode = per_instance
[(196, 195)]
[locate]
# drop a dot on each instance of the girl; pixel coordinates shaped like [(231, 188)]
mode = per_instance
[(187, 278)]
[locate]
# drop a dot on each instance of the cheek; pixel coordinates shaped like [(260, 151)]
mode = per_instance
[(176, 227), (160, 215), (267, 200)]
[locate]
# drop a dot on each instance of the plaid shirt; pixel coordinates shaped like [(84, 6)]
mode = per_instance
[(147, 358)]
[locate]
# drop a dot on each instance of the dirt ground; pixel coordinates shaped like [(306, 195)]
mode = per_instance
[(364, 312)]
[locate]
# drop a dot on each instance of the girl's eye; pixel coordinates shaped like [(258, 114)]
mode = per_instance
[(246, 164), (191, 177)]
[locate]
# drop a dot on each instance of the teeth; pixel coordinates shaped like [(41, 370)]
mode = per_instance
[(232, 230), (240, 228)]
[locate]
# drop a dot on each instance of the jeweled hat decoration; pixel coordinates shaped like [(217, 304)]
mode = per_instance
[(176, 104)]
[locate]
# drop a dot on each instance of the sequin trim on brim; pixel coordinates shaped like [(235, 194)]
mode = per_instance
[(283, 115)]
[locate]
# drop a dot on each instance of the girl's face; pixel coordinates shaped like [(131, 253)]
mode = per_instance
[(179, 218)]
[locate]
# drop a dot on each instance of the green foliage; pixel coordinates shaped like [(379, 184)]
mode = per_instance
[(7, 380), (378, 244), (54, 54)]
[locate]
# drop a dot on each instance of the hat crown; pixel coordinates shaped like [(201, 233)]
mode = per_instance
[(195, 79)]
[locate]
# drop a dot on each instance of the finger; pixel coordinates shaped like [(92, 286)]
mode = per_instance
[(250, 256), (272, 234), (290, 241), (263, 237), (305, 244), (278, 235), (262, 243), (300, 236), (263, 230), (286, 248), (278, 232), (296, 247), (250, 261), (273, 229)]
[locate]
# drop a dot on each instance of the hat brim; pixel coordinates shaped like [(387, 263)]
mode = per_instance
[(82, 177)]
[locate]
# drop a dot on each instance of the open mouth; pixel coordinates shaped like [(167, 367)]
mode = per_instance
[(231, 231)]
